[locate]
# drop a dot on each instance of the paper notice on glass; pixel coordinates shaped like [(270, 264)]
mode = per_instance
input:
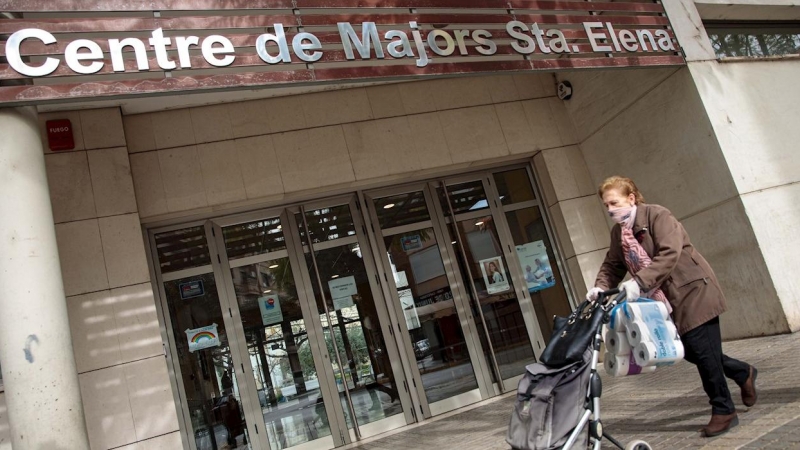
[(343, 302), (204, 337), (409, 308), (536, 266), (342, 292), (494, 275), (270, 307)]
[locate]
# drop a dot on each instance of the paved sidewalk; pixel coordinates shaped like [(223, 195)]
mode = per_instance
[(666, 408)]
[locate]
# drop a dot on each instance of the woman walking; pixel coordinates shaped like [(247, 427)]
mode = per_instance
[(650, 244)]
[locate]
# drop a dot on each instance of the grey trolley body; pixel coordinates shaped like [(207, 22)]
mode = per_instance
[(546, 436), (595, 389)]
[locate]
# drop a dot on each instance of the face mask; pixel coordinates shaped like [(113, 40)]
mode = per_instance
[(624, 215)]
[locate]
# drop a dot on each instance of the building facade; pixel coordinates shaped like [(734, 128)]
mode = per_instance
[(308, 266)]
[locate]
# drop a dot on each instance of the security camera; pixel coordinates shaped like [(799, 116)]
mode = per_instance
[(564, 90)]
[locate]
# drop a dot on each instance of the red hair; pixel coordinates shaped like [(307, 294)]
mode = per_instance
[(624, 185)]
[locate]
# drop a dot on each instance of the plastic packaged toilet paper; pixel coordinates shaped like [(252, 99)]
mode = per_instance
[(617, 343), (624, 365), (617, 318), (638, 332), (663, 353), (640, 310)]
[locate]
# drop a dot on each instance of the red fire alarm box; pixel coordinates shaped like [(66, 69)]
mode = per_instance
[(59, 135)]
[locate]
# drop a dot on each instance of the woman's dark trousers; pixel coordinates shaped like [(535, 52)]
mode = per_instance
[(703, 347)]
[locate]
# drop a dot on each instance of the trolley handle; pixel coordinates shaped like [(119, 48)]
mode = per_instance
[(611, 292), (608, 305)]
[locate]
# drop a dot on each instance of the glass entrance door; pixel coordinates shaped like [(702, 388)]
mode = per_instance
[(473, 278), (315, 325), (278, 342), (320, 368), (432, 318), (484, 266), (366, 372), (203, 350)]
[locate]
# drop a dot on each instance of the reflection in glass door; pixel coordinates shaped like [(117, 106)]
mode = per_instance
[(282, 334), (351, 318), (213, 407), (484, 266), (279, 345), (424, 299), (532, 247), (474, 275)]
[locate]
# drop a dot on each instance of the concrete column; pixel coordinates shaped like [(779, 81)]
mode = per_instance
[(41, 382)]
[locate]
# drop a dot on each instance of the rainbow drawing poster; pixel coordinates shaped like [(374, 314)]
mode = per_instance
[(200, 338)]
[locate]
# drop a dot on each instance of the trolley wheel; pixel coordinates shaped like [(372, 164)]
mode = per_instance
[(638, 445)]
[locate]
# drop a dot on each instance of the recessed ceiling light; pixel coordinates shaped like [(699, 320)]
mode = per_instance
[(274, 266), (454, 242), (477, 224), (388, 206)]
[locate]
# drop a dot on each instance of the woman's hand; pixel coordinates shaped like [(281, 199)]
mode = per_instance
[(632, 290), (593, 293)]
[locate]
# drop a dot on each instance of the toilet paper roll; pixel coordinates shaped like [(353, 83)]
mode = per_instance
[(624, 365), (644, 310), (637, 332), (617, 343), (662, 353)]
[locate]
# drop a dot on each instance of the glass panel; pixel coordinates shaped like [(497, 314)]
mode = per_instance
[(357, 330), (514, 186), (535, 253), (433, 325), (254, 238), (401, 209), (498, 300), (754, 40), (204, 355), (327, 224), (182, 249), (464, 197), (280, 353)]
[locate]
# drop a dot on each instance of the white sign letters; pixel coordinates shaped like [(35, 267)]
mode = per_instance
[(85, 56)]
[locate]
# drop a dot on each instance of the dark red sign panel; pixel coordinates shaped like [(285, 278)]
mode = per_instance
[(167, 46), (59, 135)]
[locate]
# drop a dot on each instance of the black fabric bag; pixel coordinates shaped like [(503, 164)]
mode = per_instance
[(572, 335)]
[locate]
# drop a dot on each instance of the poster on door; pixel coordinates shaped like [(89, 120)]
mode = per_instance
[(201, 338), (536, 266), (342, 292), (270, 307), (494, 275)]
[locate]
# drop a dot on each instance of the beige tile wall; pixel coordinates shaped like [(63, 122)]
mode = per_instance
[(202, 158), (188, 160), (576, 213), (112, 313)]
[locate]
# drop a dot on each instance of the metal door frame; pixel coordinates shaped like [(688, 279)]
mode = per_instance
[(361, 239), (172, 363), (401, 364), (506, 242), (462, 312), (311, 331)]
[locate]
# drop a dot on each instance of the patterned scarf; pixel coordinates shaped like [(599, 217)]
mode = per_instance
[(637, 259)]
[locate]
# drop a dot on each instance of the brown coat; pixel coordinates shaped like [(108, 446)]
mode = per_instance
[(683, 274)]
